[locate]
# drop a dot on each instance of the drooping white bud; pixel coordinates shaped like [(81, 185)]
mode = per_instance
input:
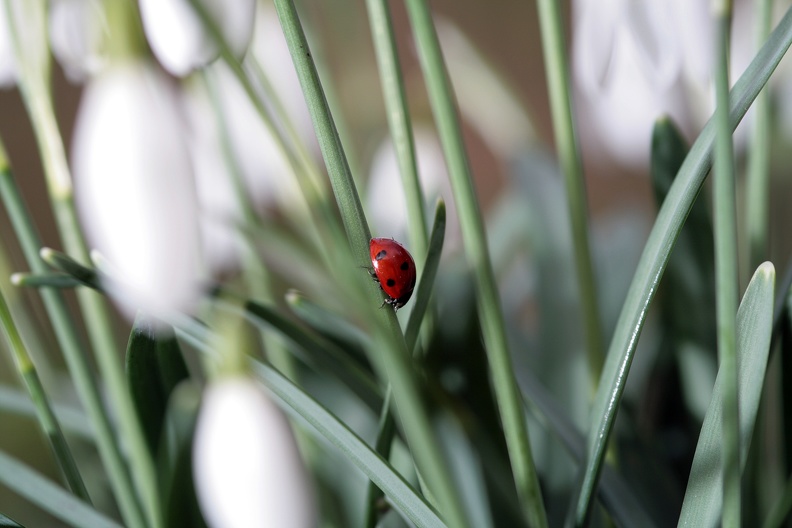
[(182, 43), (246, 465), (135, 191)]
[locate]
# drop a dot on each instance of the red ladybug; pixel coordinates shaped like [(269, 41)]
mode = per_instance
[(394, 269)]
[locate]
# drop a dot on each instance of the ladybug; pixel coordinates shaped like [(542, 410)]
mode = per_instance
[(394, 269)]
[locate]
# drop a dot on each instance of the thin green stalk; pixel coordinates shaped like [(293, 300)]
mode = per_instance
[(34, 85), (39, 397), (725, 226), (76, 357), (559, 92), (255, 274), (389, 351), (397, 111), (322, 227), (758, 177), (95, 310), (493, 327)]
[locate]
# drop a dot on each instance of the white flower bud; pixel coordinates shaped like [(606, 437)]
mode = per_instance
[(135, 191), (247, 468), (182, 43), (75, 28)]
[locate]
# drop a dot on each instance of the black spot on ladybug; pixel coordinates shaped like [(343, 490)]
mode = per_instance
[(381, 255), (405, 265), (390, 282)]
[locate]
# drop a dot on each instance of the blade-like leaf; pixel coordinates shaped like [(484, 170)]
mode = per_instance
[(175, 458), (615, 494), (322, 354), (154, 365), (427, 276), (50, 497), (5, 522), (703, 497), (650, 269), (329, 325), (331, 429)]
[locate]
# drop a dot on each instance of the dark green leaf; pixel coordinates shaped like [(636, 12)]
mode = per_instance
[(154, 365)]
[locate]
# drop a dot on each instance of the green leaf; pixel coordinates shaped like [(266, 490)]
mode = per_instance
[(71, 419), (329, 428), (50, 497), (44, 280), (687, 291), (615, 494), (329, 325), (703, 497), (432, 262), (323, 355), (154, 365), (5, 522), (179, 501), (655, 256), (63, 262)]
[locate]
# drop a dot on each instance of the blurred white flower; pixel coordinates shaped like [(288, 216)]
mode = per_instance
[(76, 28), (270, 51), (179, 39), (25, 22), (8, 71), (265, 174), (248, 471), (387, 205), (635, 60), (267, 177), (135, 191)]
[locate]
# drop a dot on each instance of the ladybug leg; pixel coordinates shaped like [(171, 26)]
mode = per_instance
[(371, 272)]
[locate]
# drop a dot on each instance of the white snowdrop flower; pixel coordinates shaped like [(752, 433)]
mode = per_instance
[(76, 29), (248, 470), (135, 190), (8, 70), (265, 173), (387, 205), (635, 60), (23, 32), (270, 50), (182, 43)]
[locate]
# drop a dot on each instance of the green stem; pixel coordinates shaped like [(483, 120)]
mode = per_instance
[(39, 397), (76, 358), (758, 177), (503, 381), (34, 86), (726, 269), (322, 227), (397, 111), (558, 87), (95, 311), (389, 351)]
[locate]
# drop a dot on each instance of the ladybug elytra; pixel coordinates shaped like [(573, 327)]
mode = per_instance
[(394, 269)]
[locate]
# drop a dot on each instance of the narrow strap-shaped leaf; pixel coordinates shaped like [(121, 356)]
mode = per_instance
[(5, 522), (323, 355), (50, 497), (615, 494), (68, 265), (655, 256), (154, 366), (703, 498), (329, 325), (175, 458), (425, 284), (331, 429), (387, 424)]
